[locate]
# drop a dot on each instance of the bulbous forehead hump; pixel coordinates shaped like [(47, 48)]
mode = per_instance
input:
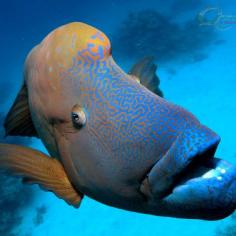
[(76, 39)]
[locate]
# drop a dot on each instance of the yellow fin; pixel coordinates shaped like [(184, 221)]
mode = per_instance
[(18, 121), (36, 167)]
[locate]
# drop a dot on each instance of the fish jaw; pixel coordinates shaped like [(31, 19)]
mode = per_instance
[(197, 185), (210, 196)]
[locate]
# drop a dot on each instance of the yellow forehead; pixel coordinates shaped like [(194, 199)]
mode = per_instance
[(75, 40)]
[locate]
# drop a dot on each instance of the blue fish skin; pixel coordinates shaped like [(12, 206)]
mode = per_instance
[(132, 149)]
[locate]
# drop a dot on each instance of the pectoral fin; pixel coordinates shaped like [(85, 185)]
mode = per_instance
[(18, 121), (36, 167)]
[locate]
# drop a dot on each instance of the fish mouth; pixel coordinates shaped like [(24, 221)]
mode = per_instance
[(173, 171), (206, 189), (202, 166), (212, 172), (199, 187), (204, 170)]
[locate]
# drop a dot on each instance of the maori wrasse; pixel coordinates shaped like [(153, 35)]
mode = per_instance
[(109, 135)]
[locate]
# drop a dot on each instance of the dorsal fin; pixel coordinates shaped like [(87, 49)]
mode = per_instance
[(18, 121), (145, 71)]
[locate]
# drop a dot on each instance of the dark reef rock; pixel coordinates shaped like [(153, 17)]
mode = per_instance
[(13, 198), (151, 33), (40, 212)]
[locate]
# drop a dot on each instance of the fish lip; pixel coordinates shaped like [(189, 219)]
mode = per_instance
[(197, 165), (210, 196), (200, 164), (164, 185), (211, 171)]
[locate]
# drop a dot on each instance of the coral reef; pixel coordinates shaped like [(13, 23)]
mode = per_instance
[(13, 197), (40, 212), (149, 32)]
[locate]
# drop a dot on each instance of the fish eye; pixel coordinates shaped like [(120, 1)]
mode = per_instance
[(78, 116)]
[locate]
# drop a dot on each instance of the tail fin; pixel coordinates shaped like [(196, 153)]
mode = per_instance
[(145, 71), (36, 167)]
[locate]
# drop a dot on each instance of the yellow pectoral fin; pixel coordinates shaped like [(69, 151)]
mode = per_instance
[(36, 167)]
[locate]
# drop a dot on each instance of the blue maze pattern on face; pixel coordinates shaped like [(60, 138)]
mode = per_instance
[(125, 118)]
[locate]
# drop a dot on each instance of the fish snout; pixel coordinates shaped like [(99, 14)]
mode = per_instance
[(211, 195), (189, 182), (206, 189)]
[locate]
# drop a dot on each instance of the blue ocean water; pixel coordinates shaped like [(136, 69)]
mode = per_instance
[(196, 66)]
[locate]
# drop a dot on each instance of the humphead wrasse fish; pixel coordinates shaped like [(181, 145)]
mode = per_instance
[(109, 136)]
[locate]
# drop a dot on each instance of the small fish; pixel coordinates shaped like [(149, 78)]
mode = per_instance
[(109, 136)]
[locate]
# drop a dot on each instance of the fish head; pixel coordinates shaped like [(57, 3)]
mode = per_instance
[(120, 143), (74, 74)]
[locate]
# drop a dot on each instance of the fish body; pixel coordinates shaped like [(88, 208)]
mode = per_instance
[(116, 140)]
